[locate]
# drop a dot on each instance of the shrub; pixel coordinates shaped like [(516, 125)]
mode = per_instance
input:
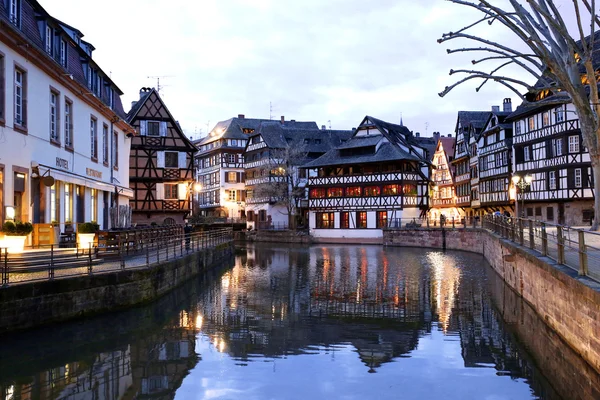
[(88, 227), (17, 228)]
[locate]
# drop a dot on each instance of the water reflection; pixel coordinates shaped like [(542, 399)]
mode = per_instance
[(294, 322)]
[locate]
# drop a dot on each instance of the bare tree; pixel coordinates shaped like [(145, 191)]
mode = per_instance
[(559, 61), (284, 185)]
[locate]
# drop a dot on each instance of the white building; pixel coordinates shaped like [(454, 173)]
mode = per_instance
[(60, 117)]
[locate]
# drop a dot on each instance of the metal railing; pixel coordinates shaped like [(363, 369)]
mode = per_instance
[(14, 267), (576, 248), (448, 223)]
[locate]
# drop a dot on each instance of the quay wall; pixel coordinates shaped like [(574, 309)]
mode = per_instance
[(568, 303), (28, 305)]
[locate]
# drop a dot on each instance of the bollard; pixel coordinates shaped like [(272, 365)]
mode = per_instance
[(90, 259), (583, 257), (561, 245), (51, 266), (4, 267), (544, 240)]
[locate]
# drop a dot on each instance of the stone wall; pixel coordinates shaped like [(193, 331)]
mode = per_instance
[(566, 302), (32, 304), (283, 236)]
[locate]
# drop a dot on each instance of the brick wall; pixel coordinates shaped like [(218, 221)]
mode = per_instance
[(566, 302)]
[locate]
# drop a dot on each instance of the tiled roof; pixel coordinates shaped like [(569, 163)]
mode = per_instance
[(475, 118), (386, 152)]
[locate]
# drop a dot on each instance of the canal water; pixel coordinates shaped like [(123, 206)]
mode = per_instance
[(320, 322)]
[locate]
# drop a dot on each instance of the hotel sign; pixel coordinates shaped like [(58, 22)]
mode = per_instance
[(62, 163), (93, 173)]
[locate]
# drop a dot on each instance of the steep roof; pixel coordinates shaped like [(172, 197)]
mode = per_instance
[(448, 144), (475, 118)]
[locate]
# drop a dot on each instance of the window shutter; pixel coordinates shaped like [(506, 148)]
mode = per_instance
[(243, 177), (226, 177), (182, 159), (549, 152), (143, 128), (160, 159), (160, 191), (584, 178), (570, 178), (163, 129), (239, 177), (238, 196), (181, 191)]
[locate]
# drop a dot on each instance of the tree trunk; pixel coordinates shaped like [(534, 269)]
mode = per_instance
[(596, 173)]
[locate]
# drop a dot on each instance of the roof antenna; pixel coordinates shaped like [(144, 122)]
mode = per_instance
[(270, 110), (329, 123), (426, 127), (401, 123)]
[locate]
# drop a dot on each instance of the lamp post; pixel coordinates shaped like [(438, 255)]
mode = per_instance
[(522, 183)]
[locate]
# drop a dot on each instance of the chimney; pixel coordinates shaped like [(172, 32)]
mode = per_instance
[(241, 116), (417, 134), (283, 119), (495, 108), (507, 104), (449, 135), (133, 103), (323, 127), (436, 136), (292, 120), (143, 92)]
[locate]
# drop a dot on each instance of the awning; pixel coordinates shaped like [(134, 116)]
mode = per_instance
[(82, 181)]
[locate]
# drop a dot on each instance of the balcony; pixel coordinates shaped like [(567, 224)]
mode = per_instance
[(447, 202), (352, 179)]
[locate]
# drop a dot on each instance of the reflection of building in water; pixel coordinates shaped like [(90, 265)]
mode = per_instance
[(445, 284), (105, 376), (152, 366)]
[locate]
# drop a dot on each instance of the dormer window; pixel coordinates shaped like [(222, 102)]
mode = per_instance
[(14, 12), (306, 141), (49, 39), (63, 53)]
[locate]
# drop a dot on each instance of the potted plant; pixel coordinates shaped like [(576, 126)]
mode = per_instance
[(86, 233), (15, 234)]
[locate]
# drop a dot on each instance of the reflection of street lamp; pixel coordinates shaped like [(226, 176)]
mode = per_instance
[(522, 183), (196, 188)]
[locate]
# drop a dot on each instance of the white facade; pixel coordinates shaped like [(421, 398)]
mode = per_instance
[(57, 107)]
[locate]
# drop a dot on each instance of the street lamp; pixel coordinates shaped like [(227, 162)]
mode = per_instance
[(522, 183)]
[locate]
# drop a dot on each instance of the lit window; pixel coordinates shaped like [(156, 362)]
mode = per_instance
[(390, 190), (361, 219), (531, 123), (353, 191), (345, 220), (170, 191), (232, 195), (325, 220), (335, 192), (371, 191), (317, 193), (546, 118), (382, 220), (94, 204)]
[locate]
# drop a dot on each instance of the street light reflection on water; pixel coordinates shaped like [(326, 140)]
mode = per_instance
[(354, 322)]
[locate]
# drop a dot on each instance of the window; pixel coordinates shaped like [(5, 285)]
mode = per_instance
[(2, 87), (68, 124), (317, 193), (382, 220), (115, 150), (557, 144), (317, 141), (560, 114), (390, 190), (518, 128), (231, 158), (409, 189), (530, 211), (94, 205), (306, 141), (231, 196), (20, 97), (573, 144), (68, 202), (53, 203), (14, 12), (63, 53), (170, 191), (105, 144), (153, 128), (54, 130), (361, 219), (526, 153), (550, 213), (335, 192), (231, 177), (538, 211), (345, 220), (48, 39), (578, 177), (234, 143), (531, 123), (552, 180), (353, 191), (546, 118), (94, 138), (371, 191), (171, 159), (325, 220)]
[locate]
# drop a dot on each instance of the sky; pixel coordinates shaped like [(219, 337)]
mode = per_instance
[(329, 61)]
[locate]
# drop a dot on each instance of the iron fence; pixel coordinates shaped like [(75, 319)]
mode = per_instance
[(576, 248), (51, 263), (456, 223)]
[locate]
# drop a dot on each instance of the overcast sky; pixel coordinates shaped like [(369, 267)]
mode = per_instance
[(316, 60)]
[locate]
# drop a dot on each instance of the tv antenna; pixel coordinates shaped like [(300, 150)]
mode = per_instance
[(426, 127), (329, 121), (270, 110), (158, 78)]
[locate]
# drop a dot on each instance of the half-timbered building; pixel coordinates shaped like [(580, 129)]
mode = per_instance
[(379, 177), (468, 126), (275, 182), (443, 202), (161, 162), (495, 157), (63, 138), (548, 146), (220, 170)]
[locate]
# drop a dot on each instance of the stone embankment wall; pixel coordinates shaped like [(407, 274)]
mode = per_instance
[(568, 303), (283, 236), (28, 305)]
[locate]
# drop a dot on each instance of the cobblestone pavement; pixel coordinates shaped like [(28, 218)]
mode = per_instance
[(141, 260)]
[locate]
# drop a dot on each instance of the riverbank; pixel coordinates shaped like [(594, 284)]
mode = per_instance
[(32, 304)]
